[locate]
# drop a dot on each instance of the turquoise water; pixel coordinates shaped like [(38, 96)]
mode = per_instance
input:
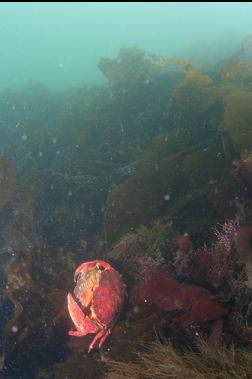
[(59, 44)]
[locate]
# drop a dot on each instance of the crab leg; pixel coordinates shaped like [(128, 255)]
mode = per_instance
[(102, 336)]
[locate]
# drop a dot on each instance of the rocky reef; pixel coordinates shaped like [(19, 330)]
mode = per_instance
[(153, 173)]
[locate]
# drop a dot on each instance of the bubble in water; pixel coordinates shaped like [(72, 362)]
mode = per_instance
[(167, 197)]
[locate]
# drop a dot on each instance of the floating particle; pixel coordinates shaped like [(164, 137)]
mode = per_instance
[(167, 197), (24, 137)]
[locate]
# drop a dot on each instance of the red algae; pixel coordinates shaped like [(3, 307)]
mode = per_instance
[(168, 294)]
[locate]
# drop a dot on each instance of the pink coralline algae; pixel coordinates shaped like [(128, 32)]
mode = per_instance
[(168, 294), (225, 236)]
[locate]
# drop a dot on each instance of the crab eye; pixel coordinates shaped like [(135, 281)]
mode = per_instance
[(76, 277)]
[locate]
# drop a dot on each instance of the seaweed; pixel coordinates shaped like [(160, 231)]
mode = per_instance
[(161, 360)]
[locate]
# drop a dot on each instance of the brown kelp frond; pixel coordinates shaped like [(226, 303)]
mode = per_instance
[(162, 361)]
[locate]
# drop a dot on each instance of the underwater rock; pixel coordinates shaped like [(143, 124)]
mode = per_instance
[(243, 245), (193, 83), (73, 207), (23, 228), (137, 328), (226, 196), (8, 312), (170, 143), (132, 66), (188, 307), (243, 171), (163, 187), (217, 332), (187, 127), (202, 265), (196, 97), (237, 71), (34, 282), (7, 180), (49, 207), (182, 255), (76, 366), (237, 117)]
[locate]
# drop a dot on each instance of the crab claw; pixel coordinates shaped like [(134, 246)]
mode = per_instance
[(87, 266), (82, 322)]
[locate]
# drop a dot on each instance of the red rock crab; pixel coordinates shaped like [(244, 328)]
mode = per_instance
[(98, 299)]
